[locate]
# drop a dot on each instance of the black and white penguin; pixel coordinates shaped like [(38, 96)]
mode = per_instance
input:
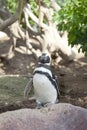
[(44, 82)]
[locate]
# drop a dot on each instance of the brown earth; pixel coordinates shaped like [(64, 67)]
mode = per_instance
[(72, 75)]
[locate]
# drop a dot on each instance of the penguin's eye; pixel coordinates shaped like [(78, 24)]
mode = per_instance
[(47, 59)]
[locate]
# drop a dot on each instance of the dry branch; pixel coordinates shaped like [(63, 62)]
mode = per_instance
[(32, 16), (54, 5)]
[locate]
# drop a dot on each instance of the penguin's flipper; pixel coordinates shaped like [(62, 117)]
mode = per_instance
[(56, 84), (28, 88)]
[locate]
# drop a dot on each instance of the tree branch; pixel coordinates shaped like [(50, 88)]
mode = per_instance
[(54, 5), (29, 28), (14, 17), (33, 17), (4, 14)]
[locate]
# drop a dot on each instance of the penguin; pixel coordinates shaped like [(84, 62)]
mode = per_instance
[(45, 82)]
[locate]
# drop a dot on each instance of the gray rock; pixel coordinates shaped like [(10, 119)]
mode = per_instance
[(61, 116)]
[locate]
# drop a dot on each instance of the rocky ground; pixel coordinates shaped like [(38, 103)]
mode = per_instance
[(61, 116)]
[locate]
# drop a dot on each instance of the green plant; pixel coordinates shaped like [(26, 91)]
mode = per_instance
[(11, 5), (73, 18)]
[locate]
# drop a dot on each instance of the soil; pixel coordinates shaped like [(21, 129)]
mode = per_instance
[(72, 77)]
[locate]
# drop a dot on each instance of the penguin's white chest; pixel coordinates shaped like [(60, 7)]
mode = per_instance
[(44, 90)]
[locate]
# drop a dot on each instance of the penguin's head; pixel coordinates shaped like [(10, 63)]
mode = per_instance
[(44, 58)]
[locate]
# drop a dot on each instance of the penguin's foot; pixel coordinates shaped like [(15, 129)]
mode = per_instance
[(39, 105), (48, 104)]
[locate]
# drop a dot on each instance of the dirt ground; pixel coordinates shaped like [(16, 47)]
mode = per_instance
[(72, 78)]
